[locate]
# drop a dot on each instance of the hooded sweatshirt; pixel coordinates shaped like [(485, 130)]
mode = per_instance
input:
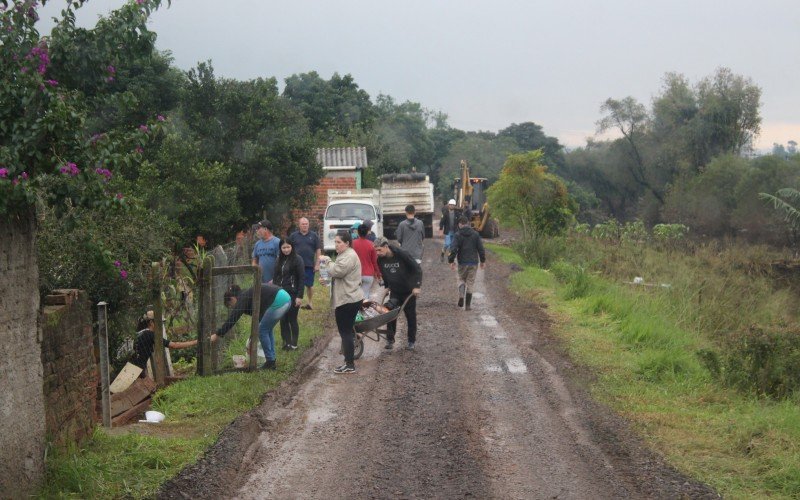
[(467, 247), (410, 234)]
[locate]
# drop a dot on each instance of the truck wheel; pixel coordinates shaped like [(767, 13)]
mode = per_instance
[(490, 230), (428, 220)]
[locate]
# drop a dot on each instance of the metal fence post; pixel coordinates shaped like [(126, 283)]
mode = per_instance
[(102, 336), (159, 356), (256, 319), (204, 324)]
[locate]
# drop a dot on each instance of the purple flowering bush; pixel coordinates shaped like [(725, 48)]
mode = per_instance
[(47, 148)]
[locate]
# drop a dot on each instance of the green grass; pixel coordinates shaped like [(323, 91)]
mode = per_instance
[(643, 346), (133, 461)]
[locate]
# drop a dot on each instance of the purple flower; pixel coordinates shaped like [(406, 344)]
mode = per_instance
[(3, 173), (104, 172), (144, 128), (70, 169), (119, 196), (24, 176), (15, 182), (161, 118), (95, 138), (117, 263), (140, 2), (123, 274), (111, 69), (51, 82), (139, 149), (109, 79)]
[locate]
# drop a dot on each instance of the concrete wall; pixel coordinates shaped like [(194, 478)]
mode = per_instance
[(71, 374), (22, 422)]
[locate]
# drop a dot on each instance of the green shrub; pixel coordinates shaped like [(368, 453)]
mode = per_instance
[(106, 254), (764, 361), (541, 251), (575, 278), (662, 365)]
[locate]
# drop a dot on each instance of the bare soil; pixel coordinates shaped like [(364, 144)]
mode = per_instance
[(486, 406)]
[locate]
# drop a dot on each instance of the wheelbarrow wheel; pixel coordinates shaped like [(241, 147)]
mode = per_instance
[(358, 344)]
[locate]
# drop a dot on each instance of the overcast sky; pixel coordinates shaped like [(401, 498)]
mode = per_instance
[(491, 63)]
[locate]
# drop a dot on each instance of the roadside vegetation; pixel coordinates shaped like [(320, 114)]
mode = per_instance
[(134, 460), (703, 356)]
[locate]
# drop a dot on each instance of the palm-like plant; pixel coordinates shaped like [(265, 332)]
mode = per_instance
[(786, 201)]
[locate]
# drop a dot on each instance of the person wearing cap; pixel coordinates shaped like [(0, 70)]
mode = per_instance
[(370, 235), (410, 234), (402, 275), (448, 225), (266, 250)]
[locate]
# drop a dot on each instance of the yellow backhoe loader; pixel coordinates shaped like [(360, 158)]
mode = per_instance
[(470, 195)]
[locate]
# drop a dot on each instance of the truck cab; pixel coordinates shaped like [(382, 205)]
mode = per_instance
[(341, 214)]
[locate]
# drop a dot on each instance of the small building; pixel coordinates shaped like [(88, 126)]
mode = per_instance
[(344, 169)]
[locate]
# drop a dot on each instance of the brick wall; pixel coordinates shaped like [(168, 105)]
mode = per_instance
[(22, 429), (71, 374), (316, 211)]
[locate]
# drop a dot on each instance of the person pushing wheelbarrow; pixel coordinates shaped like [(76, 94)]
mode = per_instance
[(402, 275)]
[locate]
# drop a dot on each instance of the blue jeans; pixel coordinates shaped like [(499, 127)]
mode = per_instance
[(448, 240), (266, 325)]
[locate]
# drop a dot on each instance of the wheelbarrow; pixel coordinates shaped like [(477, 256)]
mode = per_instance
[(371, 328)]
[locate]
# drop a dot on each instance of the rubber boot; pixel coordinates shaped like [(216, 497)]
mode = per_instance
[(461, 295), (469, 301)]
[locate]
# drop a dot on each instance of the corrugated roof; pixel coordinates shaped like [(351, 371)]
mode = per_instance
[(343, 157)]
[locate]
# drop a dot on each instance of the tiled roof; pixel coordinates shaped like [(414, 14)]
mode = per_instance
[(343, 157)]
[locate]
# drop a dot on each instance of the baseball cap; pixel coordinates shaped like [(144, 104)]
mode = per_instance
[(265, 224), (451, 202)]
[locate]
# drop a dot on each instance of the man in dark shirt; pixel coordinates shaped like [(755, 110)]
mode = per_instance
[(468, 249), (307, 245), (403, 277)]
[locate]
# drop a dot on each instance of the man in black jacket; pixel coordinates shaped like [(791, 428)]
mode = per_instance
[(403, 277), (468, 249), (447, 225)]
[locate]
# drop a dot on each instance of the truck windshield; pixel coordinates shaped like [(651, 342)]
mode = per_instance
[(350, 211)]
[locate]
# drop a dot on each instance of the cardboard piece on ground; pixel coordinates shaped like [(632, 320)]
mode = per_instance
[(139, 391), (125, 378), (132, 414)]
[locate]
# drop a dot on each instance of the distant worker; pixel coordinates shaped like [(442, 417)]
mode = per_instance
[(308, 246), (447, 225), (468, 249), (410, 234), (266, 250)]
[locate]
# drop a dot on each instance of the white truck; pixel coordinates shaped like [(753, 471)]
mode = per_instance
[(345, 208), (398, 191)]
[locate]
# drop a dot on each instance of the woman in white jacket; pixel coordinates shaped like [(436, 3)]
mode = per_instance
[(346, 296)]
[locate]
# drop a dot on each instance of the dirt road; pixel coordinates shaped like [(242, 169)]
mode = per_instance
[(485, 407)]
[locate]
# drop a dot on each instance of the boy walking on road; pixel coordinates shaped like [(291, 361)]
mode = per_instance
[(403, 277), (468, 249), (410, 234)]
